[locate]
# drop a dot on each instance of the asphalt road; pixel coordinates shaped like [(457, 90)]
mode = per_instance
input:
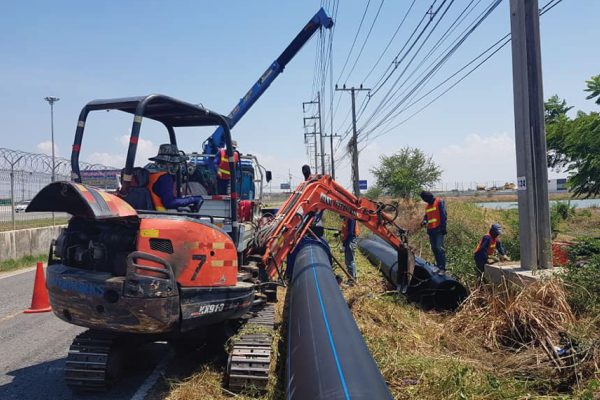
[(33, 348)]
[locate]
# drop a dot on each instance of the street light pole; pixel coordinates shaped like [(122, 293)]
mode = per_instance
[(52, 100)]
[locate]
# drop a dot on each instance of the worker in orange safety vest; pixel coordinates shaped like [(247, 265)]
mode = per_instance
[(435, 219), (222, 166), (488, 245), (161, 182)]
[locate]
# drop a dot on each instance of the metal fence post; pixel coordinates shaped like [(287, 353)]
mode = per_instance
[(12, 196), (12, 189)]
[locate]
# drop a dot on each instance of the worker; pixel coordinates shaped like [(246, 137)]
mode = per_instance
[(435, 219), (484, 253), (222, 167), (161, 182), (349, 235), (306, 172), (317, 225)]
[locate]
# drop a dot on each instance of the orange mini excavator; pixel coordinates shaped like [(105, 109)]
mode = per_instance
[(133, 275)]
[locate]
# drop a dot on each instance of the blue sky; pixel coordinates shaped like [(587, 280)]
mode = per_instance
[(212, 52)]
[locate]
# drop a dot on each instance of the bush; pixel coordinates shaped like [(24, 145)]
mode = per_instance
[(373, 193), (563, 209), (582, 276)]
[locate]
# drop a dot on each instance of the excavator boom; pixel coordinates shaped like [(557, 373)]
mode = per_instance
[(280, 236)]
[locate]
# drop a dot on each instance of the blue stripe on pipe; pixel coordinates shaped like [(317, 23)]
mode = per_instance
[(289, 348), (335, 356)]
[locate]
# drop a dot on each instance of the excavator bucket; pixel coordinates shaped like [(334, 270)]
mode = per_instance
[(406, 268)]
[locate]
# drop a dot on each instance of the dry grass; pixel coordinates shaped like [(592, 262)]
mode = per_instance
[(493, 348), (514, 317)]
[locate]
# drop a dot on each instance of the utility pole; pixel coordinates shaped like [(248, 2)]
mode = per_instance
[(314, 135), (530, 138), (354, 140), (331, 159), (304, 104), (321, 134)]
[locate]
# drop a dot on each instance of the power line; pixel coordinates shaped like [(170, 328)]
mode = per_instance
[(390, 41), (505, 40), (365, 41), (392, 113), (354, 41)]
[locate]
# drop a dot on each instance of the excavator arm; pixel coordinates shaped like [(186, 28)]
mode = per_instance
[(279, 237)]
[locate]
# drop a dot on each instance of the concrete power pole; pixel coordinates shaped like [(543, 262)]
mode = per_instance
[(315, 130), (530, 137), (354, 140), (321, 135), (331, 159)]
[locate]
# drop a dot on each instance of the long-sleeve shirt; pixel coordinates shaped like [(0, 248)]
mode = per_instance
[(349, 235), (164, 189), (481, 255)]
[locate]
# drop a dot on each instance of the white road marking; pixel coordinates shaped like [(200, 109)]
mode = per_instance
[(10, 316), (143, 390), (4, 275)]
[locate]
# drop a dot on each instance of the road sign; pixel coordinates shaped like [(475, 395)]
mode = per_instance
[(103, 179), (284, 186), (362, 185)]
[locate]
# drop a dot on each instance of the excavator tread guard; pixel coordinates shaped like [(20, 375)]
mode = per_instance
[(251, 353)]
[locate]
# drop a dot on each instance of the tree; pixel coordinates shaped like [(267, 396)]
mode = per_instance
[(405, 173), (593, 86), (574, 144), (555, 108)]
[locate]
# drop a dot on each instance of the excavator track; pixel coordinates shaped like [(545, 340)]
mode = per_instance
[(93, 362), (250, 357)]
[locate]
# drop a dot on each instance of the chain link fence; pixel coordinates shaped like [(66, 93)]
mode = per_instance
[(22, 176)]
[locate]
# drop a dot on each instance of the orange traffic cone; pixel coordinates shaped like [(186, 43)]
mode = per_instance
[(39, 300)]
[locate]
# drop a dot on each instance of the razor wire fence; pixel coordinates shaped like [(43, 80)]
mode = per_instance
[(22, 176)]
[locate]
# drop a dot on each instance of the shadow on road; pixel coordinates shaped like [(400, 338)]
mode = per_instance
[(45, 380)]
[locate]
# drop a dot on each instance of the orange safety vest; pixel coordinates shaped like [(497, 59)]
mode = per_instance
[(345, 229), (223, 171), (434, 217), (152, 179), (491, 248)]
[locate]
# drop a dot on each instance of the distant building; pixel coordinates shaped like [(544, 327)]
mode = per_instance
[(557, 185)]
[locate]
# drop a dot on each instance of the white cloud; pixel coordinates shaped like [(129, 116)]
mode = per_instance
[(479, 159), (45, 147), (145, 150), (108, 159)]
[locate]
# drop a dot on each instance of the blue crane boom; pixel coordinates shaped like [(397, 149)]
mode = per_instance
[(320, 19)]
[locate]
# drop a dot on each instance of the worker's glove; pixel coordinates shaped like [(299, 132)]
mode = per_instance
[(504, 257), (423, 223), (491, 260)]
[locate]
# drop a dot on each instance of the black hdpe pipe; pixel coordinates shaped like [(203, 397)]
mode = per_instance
[(327, 357), (428, 288)]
